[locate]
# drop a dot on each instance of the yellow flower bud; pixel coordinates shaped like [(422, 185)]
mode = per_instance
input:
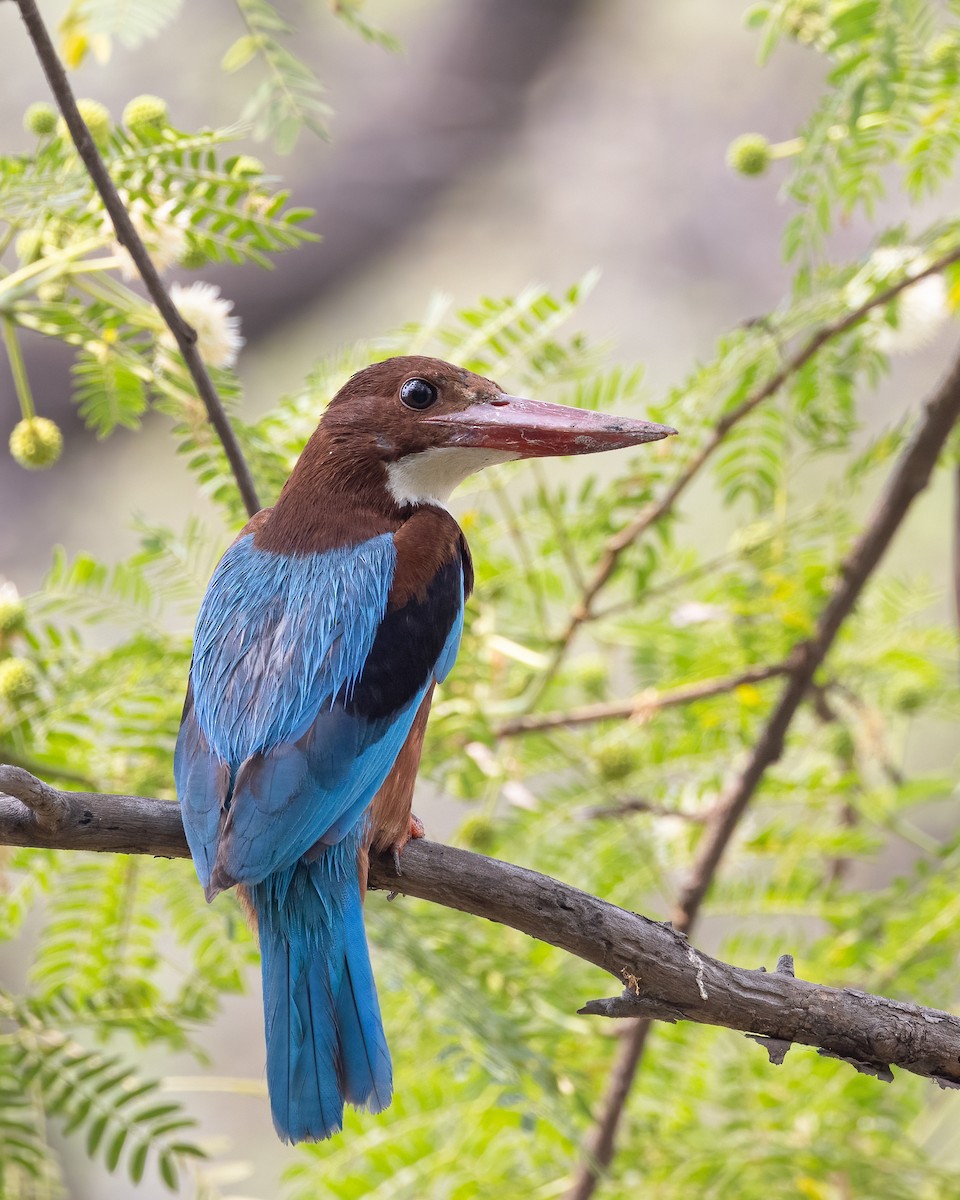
[(40, 119), (17, 678), (478, 833), (145, 112), (749, 154), (13, 612), (36, 443), (616, 761), (96, 117)]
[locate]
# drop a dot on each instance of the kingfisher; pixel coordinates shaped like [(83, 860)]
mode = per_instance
[(324, 630)]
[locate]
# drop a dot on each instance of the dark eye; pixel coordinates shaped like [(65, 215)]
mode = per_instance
[(417, 393)]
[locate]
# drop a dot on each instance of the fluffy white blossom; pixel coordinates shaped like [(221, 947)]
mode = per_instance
[(695, 612), (163, 232), (218, 333), (918, 312)]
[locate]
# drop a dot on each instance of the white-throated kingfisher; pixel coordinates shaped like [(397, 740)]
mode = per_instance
[(320, 639)]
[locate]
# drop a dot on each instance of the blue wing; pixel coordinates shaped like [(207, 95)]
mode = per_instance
[(303, 689)]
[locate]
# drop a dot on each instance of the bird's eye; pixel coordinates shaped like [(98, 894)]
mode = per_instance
[(417, 393)]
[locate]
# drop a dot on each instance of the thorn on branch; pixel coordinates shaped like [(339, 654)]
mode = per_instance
[(629, 1005), (775, 1047), (877, 1070)]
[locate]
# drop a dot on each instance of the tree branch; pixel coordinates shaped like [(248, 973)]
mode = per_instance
[(909, 477), (657, 510), (955, 548), (668, 979), (185, 335), (641, 707)]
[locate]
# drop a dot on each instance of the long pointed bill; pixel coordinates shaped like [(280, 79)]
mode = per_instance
[(538, 429)]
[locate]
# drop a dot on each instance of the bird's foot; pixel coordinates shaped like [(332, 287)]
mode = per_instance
[(416, 830)]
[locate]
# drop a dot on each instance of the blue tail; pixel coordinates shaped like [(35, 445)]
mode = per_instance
[(325, 1041)]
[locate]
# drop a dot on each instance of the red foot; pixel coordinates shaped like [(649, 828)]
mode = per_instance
[(415, 831)]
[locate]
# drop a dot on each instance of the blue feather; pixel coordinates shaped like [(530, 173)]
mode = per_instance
[(303, 692), (272, 646), (325, 1040)]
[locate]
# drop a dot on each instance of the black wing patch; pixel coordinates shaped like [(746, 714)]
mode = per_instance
[(408, 644)]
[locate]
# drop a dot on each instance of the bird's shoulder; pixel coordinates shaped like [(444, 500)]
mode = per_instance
[(430, 545)]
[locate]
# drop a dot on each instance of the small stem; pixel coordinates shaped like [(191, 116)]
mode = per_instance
[(61, 259), (786, 149), (956, 542), (18, 369)]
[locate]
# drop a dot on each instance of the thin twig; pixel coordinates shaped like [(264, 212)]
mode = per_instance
[(641, 707), (956, 543), (668, 978), (657, 510), (910, 476), (186, 337), (626, 808)]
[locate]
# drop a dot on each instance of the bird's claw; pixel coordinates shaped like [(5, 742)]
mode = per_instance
[(415, 831)]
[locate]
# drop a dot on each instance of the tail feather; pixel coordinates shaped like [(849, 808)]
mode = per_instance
[(367, 1071), (325, 1040)]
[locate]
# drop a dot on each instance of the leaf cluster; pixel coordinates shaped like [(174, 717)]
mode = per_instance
[(849, 851)]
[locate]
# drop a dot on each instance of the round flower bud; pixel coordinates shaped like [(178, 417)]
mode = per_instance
[(29, 245), (478, 833), (17, 678), (593, 678), (616, 761), (805, 21), (40, 119), (13, 612), (908, 698), (246, 164), (36, 442), (145, 112), (96, 117), (749, 154)]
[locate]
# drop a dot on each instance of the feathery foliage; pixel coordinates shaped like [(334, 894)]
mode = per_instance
[(496, 1076)]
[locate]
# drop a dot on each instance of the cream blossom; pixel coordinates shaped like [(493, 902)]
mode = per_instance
[(919, 311), (218, 332), (163, 232), (695, 612)]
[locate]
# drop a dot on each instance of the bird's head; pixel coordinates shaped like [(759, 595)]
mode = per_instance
[(432, 424)]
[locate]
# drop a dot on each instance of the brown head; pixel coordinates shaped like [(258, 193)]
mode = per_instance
[(408, 430)]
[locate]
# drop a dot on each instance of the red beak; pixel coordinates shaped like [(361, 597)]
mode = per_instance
[(537, 429)]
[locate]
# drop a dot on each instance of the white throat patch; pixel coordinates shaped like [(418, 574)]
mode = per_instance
[(430, 477)]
